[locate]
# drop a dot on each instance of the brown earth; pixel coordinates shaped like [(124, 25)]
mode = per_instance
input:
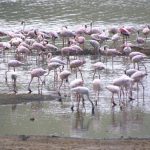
[(58, 143)]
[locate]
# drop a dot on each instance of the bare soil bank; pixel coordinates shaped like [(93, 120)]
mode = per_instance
[(59, 143)]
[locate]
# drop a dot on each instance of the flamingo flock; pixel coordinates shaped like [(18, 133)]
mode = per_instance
[(70, 46)]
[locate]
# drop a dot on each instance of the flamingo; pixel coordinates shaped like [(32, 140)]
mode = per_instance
[(64, 76), (129, 72), (38, 72), (23, 50), (14, 80), (13, 64), (97, 87), (92, 29), (114, 90), (66, 34), (140, 40), (132, 54), (15, 41), (97, 67), (95, 44), (138, 59), (127, 50), (82, 90), (138, 77), (75, 48), (76, 64), (115, 38), (52, 66), (80, 40), (75, 83), (110, 52), (125, 33), (124, 82), (146, 31), (53, 35)]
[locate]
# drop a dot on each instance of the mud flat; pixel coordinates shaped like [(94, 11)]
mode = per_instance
[(25, 98), (23, 142)]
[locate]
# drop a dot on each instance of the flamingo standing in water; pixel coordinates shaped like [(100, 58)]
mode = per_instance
[(125, 33), (110, 52), (13, 64), (80, 40), (97, 67), (114, 90), (76, 64), (64, 76), (82, 90), (138, 59), (146, 31), (97, 87), (138, 77), (38, 72), (96, 45)]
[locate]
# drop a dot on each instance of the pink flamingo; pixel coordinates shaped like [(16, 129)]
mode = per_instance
[(110, 52), (80, 40), (53, 66), (97, 87), (115, 38), (140, 40), (138, 77), (64, 76), (53, 35), (66, 34), (97, 67), (138, 59), (75, 83), (91, 30), (125, 33), (114, 90), (146, 31), (13, 64), (38, 72), (76, 64), (81, 90), (96, 45)]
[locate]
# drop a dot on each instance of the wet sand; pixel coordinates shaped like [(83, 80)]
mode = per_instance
[(58, 143), (6, 99)]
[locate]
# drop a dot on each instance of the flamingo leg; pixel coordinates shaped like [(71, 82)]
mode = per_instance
[(6, 75), (94, 74), (144, 67), (81, 74), (29, 89), (143, 90), (61, 84), (93, 111)]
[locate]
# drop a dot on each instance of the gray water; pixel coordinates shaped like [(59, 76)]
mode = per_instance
[(53, 117), (53, 14)]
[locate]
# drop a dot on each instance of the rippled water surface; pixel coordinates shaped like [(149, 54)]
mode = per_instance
[(53, 117), (52, 14)]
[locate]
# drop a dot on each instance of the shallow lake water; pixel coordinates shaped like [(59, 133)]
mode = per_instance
[(56, 118)]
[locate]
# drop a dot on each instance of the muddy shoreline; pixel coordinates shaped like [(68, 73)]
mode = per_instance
[(6, 99), (59, 143)]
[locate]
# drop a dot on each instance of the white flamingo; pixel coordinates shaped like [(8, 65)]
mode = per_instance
[(81, 90)]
